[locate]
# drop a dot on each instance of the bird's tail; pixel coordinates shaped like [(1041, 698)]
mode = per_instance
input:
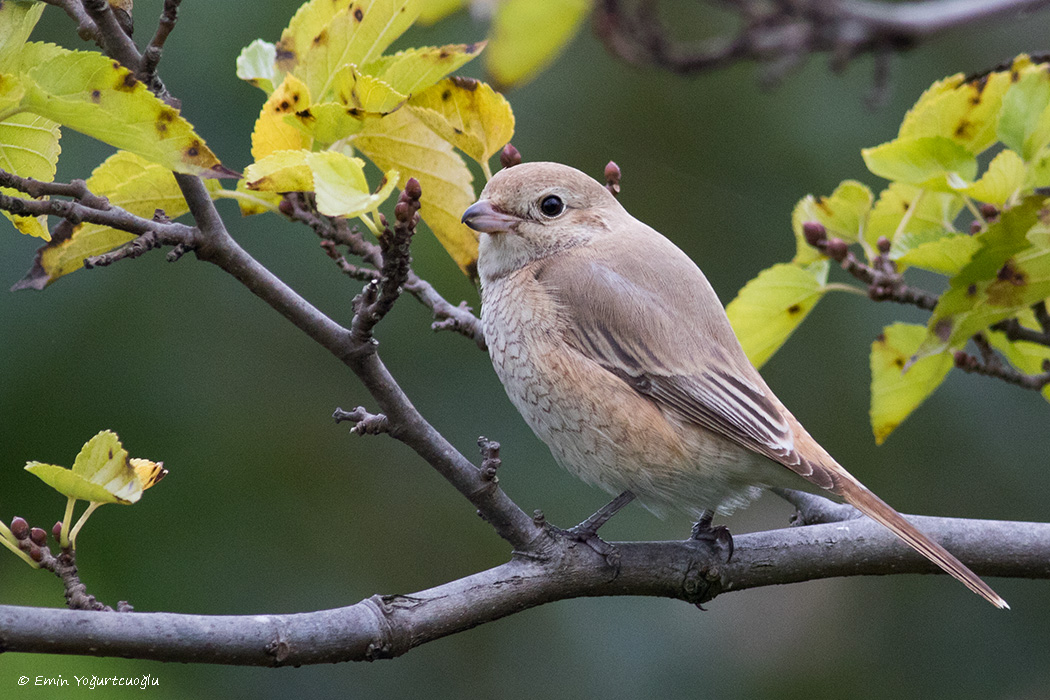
[(875, 508)]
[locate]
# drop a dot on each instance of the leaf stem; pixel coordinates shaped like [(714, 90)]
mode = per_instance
[(245, 197), (67, 520), (843, 287), (7, 538), (80, 523)]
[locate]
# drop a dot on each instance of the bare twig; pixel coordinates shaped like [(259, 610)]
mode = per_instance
[(152, 54), (781, 34), (365, 423), (86, 27)]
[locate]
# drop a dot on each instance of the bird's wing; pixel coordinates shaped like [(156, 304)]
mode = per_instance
[(663, 332)]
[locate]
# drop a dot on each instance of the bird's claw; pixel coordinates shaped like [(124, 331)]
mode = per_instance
[(717, 537)]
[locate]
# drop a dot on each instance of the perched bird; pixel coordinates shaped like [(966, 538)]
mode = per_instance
[(615, 349)]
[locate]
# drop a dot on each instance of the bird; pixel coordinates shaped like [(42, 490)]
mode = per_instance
[(617, 352)]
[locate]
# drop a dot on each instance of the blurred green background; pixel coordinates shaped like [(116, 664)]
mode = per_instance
[(270, 507)]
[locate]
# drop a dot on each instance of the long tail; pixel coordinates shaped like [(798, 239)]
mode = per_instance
[(875, 508)]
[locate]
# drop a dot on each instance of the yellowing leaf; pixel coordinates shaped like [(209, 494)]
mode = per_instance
[(148, 471), (308, 22), (527, 35), (357, 35), (272, 133), (1003, 179), (468, 114), (29, 147), (966, 112), (96, 96), (257, 65), (435, 10), (365, 92), (895, 393), (931, 162), (100, 474), (128, 181), (413, 70), (17, 20), (927, 213), (401, 142), (771, 306), (338, 181), (11, 93), (844, 214)]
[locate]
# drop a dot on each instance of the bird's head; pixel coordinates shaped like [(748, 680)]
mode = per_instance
[(533, 210)]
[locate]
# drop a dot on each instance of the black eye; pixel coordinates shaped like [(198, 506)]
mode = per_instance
[(552, 205)]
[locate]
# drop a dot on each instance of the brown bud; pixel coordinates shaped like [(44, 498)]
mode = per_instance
[(56, 531), (401, 211), (962, 360), (36, 554), (814, 232), (38, 536), (975, 227), (989, 211), (837, 249), (286, 207), (509, 156), (883, 244), (412, 188), (19, 528)]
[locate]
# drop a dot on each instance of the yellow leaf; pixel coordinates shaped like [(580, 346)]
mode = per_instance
[(338, 181), (927, 212), (272, 133), (413, 70), (895, 393), (249, 202), (365, 92), (470, 115), (844, 214), (770, 307), (128, 181), (29, 147), (95, 95), (148, 471), (526, 35), (357, 35), (401, 142), (101, 473), (11, 93)]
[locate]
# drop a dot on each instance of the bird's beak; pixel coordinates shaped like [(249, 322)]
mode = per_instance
[(484, 217)]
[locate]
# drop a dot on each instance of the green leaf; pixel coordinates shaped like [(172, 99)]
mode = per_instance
[(928, 213), (931, 162), (338, 181), (896, 391), (257, 65), (844, 215), (771, 306), (939, 251), (527, 35), (436, 10), (29, 147), (96, 96), (1001, 182), (100, 474), (988, 289), (1024, 122), (413, 70), (17, 20), (468, 114)]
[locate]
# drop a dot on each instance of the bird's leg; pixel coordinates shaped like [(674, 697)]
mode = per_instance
[(587, 531), (718, 536)]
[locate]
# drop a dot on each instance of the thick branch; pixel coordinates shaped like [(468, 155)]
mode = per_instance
[(388, 626)]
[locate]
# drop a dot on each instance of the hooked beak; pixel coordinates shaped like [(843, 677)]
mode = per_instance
[(482, 216)]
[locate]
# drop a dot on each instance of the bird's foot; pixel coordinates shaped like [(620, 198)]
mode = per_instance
[(587, 531), (717, 537)]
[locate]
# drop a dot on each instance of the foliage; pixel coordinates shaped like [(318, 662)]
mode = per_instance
[(984, 231)]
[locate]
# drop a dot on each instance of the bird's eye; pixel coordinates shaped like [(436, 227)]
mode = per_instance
[(552, 205)]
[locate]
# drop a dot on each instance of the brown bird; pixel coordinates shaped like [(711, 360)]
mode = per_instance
[(615, 349)]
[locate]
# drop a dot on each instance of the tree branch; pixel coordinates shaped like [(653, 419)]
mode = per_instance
[(389, 626)]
